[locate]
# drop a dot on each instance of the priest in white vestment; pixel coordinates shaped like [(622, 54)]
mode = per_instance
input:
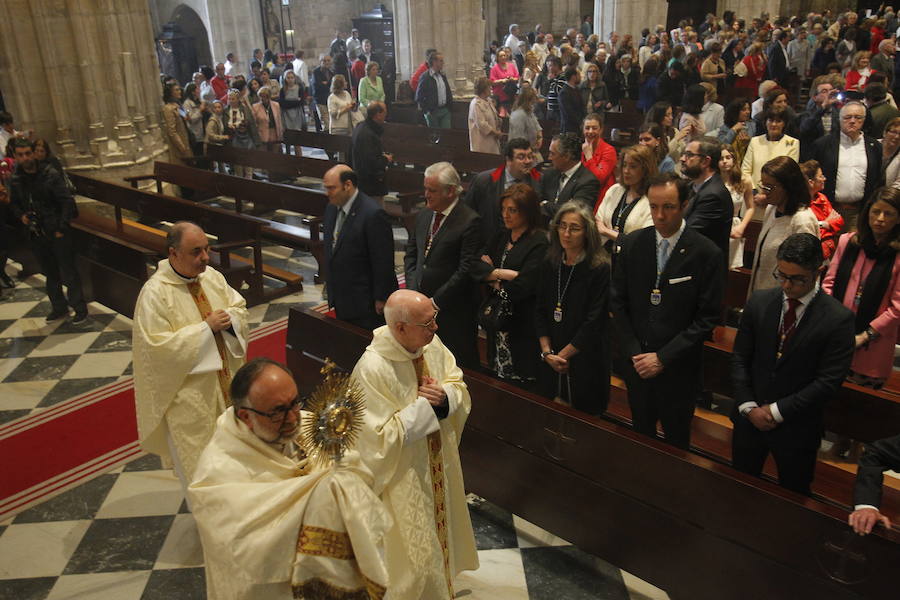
[(274, 526), (416, 407), (189, 338)]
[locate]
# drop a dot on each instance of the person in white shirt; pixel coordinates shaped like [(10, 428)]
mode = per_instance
[(512, 40), (230, 64), (764, 88)]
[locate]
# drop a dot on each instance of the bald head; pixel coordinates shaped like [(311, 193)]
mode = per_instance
[(411, 318), (340, 184), (188, 249), (175, 235)]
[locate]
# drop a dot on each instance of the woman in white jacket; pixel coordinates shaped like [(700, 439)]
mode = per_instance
[(625, 207)]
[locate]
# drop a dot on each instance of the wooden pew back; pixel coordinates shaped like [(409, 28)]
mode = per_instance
[(634, 501)]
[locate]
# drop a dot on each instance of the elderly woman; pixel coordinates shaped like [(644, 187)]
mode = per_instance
[(371, 87), (712, 114), (484, 122), (750, 71), (860, 71), (625, 207), (340, 105), (505, 78), (267, 113), (194, 108), (174, 121), (625, 81), (240, 127), (572, 314), (593, 91), (510, 265), (782, 190), (763, 148), (865, 276)]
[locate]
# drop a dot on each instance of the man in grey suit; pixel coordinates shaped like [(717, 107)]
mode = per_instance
[(444, 244), (568, 179)]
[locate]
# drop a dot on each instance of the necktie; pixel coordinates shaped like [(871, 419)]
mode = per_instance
[(438, 217), (662, 255), (790, 318), (562, 184), (338, 225)]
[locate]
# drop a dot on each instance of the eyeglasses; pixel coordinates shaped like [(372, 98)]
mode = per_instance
[(277, 415), (573, 229), (792, 279), (430, 322), (689, 154)]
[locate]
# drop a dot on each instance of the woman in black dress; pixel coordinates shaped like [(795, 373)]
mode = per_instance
[(572, 316), (511, 263)]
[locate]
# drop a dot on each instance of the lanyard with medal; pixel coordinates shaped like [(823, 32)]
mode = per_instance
[(561, 291), (656, 293), (784, 334)]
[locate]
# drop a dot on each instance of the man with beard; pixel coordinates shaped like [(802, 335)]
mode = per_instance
[(710, 210)]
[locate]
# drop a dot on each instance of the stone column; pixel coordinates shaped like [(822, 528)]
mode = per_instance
[(84, 75), (235, 26), (566, 14), (455, 28)]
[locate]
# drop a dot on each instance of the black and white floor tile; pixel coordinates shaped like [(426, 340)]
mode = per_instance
[(127, 535)]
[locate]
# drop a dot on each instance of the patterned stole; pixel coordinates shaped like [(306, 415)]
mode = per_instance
[(435, 458), (205, 309)]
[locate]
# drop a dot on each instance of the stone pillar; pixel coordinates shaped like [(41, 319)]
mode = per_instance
[(235, 26), (85, 76), (455, 28), (566, 14)]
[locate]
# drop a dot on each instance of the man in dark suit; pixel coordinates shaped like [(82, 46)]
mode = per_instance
[(568, 179), (444, 243), (710, 210), (359, 251), (840, 156), (666, 297), (484, 193), (878, 457), (791, 354), (571, 106), (822, 110), (778, 65), (367, 155)]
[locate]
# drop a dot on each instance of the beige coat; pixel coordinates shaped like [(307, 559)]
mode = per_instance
[(483, 119), (176, 131)]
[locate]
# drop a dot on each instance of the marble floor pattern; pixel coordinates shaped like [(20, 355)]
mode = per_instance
[(127, 534)]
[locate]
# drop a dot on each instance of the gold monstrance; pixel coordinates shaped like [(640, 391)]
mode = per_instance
[(336, 410)]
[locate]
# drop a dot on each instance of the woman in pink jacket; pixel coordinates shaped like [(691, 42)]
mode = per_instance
[(267, 114), (865, 276)]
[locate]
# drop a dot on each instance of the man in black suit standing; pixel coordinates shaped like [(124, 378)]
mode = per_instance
[(571, 106), (444, 243), (791, 354), (359, 251), (851, 161), (711, 210), (484, 193), (878, 457), (778, 65), (367, 155), (666, 297), (568, 179)]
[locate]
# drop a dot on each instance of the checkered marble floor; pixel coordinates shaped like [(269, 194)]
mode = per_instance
[(128, 535)]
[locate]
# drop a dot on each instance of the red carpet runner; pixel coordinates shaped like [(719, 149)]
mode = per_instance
[(56, 449)]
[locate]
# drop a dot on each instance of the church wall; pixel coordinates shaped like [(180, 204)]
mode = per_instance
[(747, 9), (526, 14), (633, 15)]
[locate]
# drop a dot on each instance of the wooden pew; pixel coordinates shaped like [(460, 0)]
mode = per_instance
[(417, 152), (405, 183), (233, 231), (653, 510), (265, 197)]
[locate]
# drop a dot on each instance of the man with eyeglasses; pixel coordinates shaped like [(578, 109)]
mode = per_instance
[(416, 407), (272, 523), (791, 354), (851, 160), (190, 336), (711, 210)]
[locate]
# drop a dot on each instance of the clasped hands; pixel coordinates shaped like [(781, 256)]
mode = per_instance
[(218, 320), (431, 391), (647, 365), (761, 418)]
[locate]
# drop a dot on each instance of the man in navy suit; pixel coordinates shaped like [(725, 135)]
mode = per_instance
[(359, 251), (791, 354), (666, 297)]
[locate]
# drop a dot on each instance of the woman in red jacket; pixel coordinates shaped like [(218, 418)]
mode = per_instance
[(830, 220), (597, 155)]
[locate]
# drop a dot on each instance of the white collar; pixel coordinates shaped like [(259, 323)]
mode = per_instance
[(349, 203), (568, 174), (846, 141), (804, 300)]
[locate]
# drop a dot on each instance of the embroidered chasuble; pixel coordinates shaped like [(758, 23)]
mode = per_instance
[(420, 481), (181, 369), (273, 526)]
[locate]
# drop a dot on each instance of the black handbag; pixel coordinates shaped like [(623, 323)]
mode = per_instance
[(495, 312), (511, 88)]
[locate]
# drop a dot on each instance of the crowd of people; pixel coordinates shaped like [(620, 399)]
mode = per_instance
[(593, 261)]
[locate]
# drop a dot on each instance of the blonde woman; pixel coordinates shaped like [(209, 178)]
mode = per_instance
[(371, 87), (340, 105), (740, 186)]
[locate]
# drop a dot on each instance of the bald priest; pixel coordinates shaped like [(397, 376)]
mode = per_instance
[(274, 525)]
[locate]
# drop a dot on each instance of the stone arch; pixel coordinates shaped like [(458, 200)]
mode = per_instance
[(191, 25)]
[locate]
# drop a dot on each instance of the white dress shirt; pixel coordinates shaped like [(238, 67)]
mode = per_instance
[(852, 165)]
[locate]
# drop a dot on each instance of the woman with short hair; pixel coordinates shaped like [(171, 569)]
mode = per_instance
[(340, 105), (484, 122), (371, 87)]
